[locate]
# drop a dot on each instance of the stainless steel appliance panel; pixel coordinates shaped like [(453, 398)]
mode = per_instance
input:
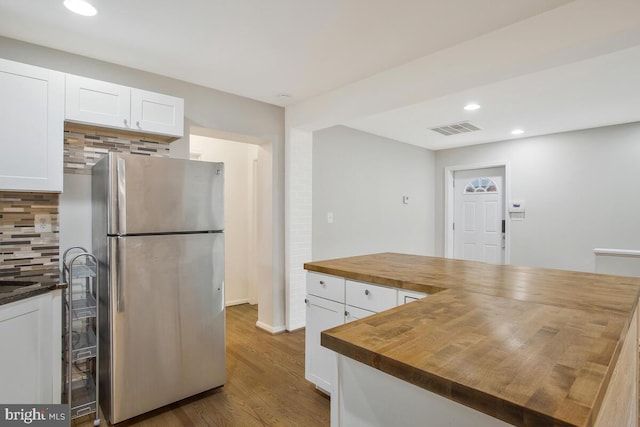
[(160, 195), (99, 243), (167, 320)]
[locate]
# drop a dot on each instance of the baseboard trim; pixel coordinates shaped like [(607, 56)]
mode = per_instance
[(271, 329), (296, 327), (236, 302)]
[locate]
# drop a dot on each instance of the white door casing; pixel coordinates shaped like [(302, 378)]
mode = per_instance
[(478, 215)]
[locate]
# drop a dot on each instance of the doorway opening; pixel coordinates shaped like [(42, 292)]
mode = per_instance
[(477, 226), (246, 167)]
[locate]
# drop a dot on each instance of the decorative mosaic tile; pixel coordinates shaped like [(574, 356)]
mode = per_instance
[(84, 147), (23, 251)]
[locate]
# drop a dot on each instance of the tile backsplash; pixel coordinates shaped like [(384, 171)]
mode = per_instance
[(23, 250), (84, 147)]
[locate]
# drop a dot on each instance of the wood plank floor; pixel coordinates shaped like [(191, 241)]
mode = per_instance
[(265, 384)]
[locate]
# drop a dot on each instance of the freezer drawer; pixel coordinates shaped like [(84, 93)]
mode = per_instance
[(166, 319)]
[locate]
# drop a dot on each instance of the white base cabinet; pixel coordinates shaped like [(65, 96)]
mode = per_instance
[(370, 297), (32, 120), (365, 396), (104, 104), (332, 301), (30, 363), (320, 362)]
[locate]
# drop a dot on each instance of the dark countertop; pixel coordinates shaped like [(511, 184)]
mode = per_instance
[(43, 283), (534, 343)]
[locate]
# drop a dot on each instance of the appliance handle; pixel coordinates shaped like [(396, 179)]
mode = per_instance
[(121, 259), (121, 195)]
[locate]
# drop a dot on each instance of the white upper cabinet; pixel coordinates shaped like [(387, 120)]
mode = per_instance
[(32, 120), (106, 104), (96, 102), (157, 113)]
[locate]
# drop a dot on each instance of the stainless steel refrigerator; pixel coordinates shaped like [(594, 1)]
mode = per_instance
[(158, 235)]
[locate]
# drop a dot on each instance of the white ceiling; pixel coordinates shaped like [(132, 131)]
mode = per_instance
[(600, 91), (304, 48)]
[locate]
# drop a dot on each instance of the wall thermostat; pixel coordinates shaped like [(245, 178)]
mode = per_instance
[(516, 210)]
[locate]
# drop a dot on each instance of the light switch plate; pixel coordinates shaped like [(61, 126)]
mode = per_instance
[(329, 217)]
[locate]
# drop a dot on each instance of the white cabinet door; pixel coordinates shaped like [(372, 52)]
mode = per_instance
[(405, 297), (32, 120), (157, 113), (320, 362), (97, 102), (26, 354)]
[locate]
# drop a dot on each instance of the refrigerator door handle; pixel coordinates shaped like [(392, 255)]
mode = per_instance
[(121, 196), (121, 258)]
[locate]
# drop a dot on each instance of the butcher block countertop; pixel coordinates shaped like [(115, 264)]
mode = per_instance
[(529, 346)]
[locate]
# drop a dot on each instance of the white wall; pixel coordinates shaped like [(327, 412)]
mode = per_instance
[(361, 178), (239, 211), (204, 108), (298, 217), (580, 191), (75, 212)]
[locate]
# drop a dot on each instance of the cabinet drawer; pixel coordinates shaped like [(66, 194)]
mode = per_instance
[(354, 313), (370, 297), (325, 286), (405, 297)]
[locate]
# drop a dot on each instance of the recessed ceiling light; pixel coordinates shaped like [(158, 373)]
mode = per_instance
[(517, 132), (80, 7), (472, 107)]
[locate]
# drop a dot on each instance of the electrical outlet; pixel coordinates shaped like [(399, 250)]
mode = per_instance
[(330, 217), (43, 223), (405, 200)]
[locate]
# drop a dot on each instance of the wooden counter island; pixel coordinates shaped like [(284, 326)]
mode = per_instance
[(491, 345)]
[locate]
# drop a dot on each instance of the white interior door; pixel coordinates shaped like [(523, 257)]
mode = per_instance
[(478, 215)]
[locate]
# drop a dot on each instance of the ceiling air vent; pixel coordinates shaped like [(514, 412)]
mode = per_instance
[(456, 128)]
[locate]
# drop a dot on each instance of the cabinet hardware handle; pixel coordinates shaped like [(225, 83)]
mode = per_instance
[(346, 314), (138, 125), (366, 292), (306, 300), (120, 249), (322, 283), (125, 123)]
